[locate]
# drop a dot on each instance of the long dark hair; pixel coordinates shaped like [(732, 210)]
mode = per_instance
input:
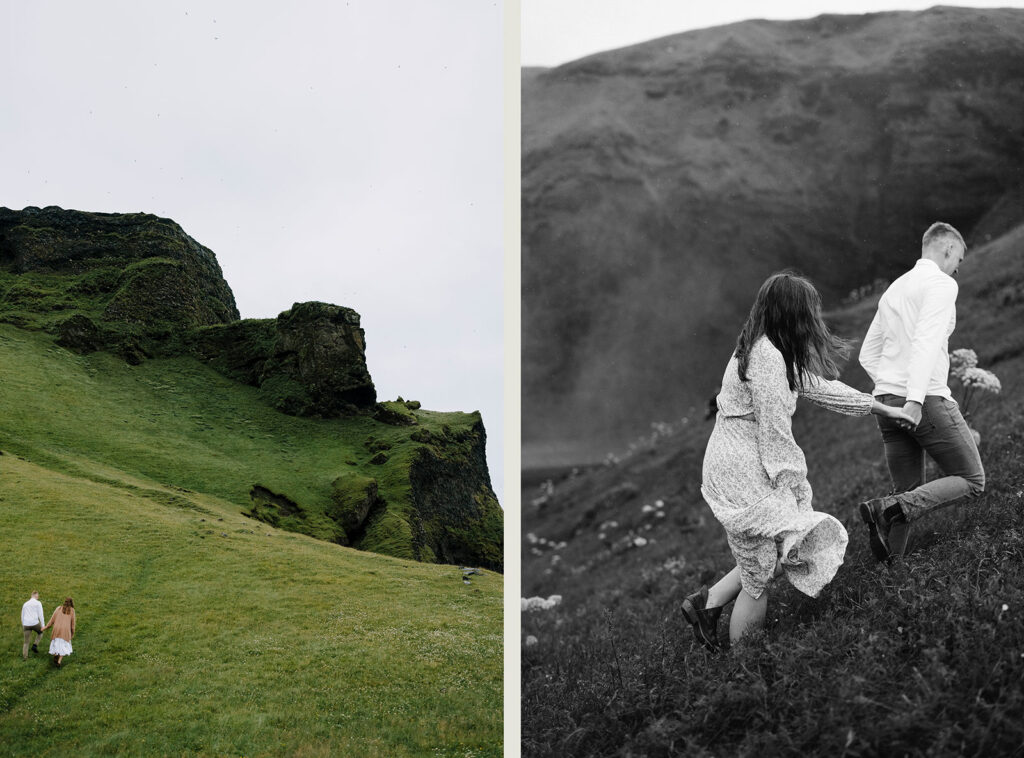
[(787, 311), (68, 606)]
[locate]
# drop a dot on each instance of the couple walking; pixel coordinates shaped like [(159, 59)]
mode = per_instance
[(62, 621), (755, 475)]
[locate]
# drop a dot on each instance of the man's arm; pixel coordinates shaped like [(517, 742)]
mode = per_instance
[(871, 349)]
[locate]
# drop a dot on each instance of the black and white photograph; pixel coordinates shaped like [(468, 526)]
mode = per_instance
[(772, 280)]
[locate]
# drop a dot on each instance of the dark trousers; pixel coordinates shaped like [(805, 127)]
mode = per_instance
[(944, 435)]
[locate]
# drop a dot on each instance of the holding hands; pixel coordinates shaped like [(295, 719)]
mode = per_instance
[(907, 417)]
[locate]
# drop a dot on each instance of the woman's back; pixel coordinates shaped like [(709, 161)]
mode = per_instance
[(63, 623)]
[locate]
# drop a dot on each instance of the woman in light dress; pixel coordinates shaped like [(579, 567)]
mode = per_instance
[(755, 475), (63, 623)]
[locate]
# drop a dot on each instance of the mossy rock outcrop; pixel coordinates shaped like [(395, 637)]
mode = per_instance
[(309, 361), (456, 518), (318, 363), (157, 272), (354, 497)]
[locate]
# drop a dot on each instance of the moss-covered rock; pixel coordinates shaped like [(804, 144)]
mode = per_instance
[(394, 413), (354, 497), (187, 287), (80, 334), (317, 366), (456, 518)]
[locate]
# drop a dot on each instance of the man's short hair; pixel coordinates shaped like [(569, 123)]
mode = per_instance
[(941, 232)]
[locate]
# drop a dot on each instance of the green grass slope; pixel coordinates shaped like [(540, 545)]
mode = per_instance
[(181, 423), (203, 632), (924, 658)]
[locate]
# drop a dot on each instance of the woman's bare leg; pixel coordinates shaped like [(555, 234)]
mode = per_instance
[(725, 589), (748, 614)]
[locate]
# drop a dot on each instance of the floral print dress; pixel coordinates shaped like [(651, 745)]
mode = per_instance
[(755, 475)]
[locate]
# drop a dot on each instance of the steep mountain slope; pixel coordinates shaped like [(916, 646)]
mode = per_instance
[(120, 343), (662, 182), (924, 658)]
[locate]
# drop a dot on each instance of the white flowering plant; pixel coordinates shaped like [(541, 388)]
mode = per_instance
[(975, 383)]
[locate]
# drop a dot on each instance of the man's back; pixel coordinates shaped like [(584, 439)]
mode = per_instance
[(905, 350)]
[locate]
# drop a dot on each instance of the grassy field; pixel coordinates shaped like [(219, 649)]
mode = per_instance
[(202, 631), (924, 658)]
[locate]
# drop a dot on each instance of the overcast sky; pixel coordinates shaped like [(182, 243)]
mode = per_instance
[(559, 31), (348, 152)]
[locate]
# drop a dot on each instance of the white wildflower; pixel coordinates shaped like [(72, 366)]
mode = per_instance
[(981, 379), (531, 538), (539, 603), (660, 514), (639, 541), (530, 640), (961, 360), (647, 508)]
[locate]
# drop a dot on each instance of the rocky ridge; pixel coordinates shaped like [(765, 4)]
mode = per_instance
[(139, 287), (662, 182)]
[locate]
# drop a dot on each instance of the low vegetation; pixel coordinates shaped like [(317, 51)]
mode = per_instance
[(202, 632), (921, 658)]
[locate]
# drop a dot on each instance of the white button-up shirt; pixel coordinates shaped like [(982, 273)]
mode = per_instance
[(906, 349), (32, 613)]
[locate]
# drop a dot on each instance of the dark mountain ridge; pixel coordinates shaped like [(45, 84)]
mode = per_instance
[(662, 182)]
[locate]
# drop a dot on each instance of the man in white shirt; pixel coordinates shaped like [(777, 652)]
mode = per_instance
[(906, 354), (32, 621)]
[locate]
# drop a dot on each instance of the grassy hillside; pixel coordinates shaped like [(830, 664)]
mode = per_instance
[(183, 424), (922, 658), (203, 632)]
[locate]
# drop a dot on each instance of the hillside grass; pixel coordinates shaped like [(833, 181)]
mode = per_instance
[(181, 423), (921, 658), (202, 632)]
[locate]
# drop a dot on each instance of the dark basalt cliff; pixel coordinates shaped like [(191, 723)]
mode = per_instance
[(139, 287), (662, 182)]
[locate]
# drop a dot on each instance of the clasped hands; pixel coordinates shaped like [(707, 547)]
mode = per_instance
[(909, 416)]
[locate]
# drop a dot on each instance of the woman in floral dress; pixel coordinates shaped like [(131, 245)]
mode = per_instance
[(755, 475)]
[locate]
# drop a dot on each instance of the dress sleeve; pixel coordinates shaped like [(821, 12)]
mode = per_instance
[(774, 403), (836, 396)]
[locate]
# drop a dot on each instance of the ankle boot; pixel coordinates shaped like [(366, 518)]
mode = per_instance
[(704, 620)]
